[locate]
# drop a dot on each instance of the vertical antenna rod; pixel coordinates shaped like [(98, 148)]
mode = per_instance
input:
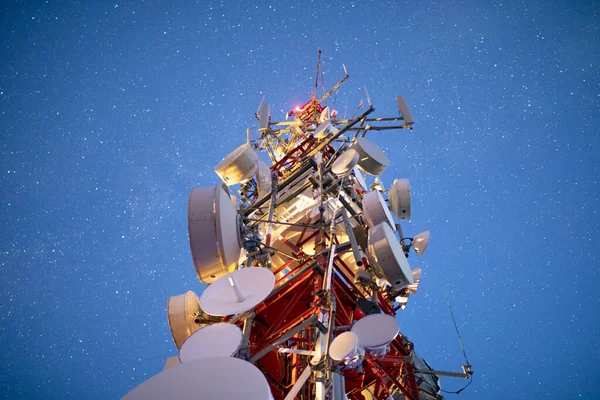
[(456, 328)]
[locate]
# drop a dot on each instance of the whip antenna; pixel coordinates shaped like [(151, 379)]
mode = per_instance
[(467, 367)]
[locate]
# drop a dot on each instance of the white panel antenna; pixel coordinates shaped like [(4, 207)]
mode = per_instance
[(404, 111), (264, 118)]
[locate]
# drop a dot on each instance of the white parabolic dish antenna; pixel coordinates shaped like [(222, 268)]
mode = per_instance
[(399, 198), (375, 210), (375, 331), (238, 166), (218, 340), (371, 159), (419, 242), (238, 291), (321, 130), (214, 232), (207, 378), (345, 347), (180, 311), (345, 162), (386, 249), (263, 178)]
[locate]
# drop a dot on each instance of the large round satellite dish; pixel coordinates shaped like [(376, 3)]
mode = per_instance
[(375, 211), (389, 256), (238, 166), (399, 198), (214, 232), (238, 291), (217, 340), (371, 159), (181, 311), (207, 378), (375, 331), (345, 162), (322, 130)]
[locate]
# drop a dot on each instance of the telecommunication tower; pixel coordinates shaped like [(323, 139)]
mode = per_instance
[(306, 266)]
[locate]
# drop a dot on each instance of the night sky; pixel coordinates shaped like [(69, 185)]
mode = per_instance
[(110, 112)]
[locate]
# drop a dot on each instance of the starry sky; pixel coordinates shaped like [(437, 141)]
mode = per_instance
[(110, 112)]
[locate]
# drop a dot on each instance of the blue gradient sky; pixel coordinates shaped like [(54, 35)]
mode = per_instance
[(110, 112)]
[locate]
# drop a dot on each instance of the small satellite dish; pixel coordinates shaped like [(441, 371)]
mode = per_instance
[(375, 332), (413, 287), (322, 130), (324, 116), (399, 198), (214, 232), (181, 311), (217, 340), (345, 162), (204, 379), (375, 211), (360, 178), (419, 242), (371, 159), (238, 166), (238, 291), (389, 256), (263, 178), (345, 347)]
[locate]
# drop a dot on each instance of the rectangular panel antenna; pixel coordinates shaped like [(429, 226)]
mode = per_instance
[(368, 98), (403, 108), (265, 115)]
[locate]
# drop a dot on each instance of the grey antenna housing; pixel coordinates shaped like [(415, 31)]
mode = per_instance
[(399, 198), (375, 211), (214, 231), (386, 251), (181, 312), (238, 166)]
